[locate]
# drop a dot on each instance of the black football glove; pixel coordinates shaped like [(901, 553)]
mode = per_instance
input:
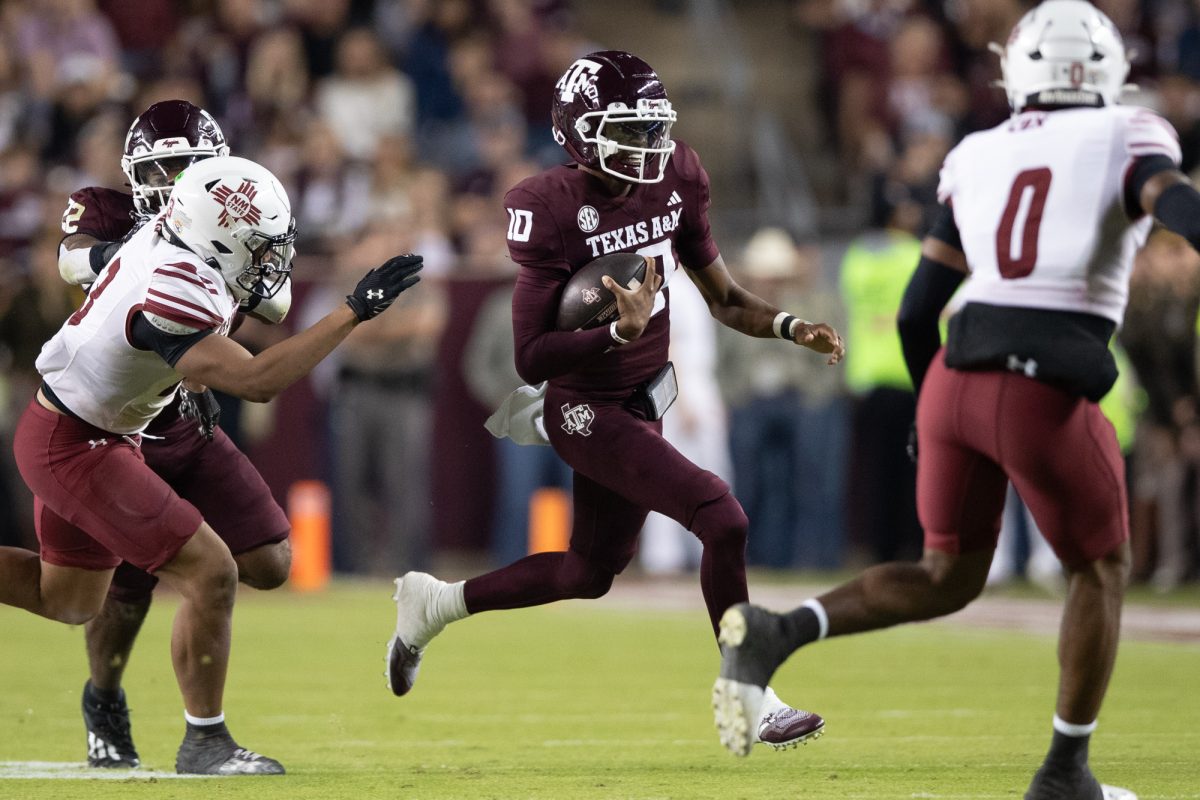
[(203, 408), (910, 446), (380, 287)]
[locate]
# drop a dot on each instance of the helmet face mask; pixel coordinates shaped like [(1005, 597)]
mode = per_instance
[(163, 141), (611, 113), (1063, 53), (235, 215), (270, 260)]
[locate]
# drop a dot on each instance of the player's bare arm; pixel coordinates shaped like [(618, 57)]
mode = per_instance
[(221, 363), (744, 311), (635, 305)]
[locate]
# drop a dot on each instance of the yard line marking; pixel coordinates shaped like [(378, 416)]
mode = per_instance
[(80, 771)]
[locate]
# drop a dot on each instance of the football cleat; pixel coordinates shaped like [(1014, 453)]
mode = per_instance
[(745, 709), (746, 714), (415, 596), (1074, 782), (110, 741), (219, 754), (784, 727)]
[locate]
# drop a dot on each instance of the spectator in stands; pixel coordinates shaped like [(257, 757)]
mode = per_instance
[(788, 423), (1159, 334), (366, 98), (881, 487), (381, 419)]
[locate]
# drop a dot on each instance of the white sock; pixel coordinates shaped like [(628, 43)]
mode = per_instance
[(450, 605), (1071, 728), (219, 718), (814, 605)]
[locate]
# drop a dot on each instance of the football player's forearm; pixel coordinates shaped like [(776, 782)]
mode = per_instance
[(746, 313), (555, 353), (282, 364), (75, 262)]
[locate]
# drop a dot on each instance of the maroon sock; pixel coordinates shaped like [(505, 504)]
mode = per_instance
[(536, 580)]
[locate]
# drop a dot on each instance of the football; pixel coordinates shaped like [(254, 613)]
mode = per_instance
[(585, 302)]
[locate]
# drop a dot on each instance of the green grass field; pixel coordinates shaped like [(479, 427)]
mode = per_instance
[(593, 700)]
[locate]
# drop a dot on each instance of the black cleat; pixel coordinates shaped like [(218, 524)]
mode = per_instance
[(1054, 782), (218, 754), (110, 742), (752, 644)]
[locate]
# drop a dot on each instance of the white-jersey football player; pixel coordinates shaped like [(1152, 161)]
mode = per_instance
[(1041, 218), (157, 315)]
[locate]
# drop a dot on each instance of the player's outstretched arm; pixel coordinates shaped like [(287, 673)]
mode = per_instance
[(221, 363), (744, 311)]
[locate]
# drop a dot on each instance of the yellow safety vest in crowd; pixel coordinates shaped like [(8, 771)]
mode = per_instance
[(875, 272)]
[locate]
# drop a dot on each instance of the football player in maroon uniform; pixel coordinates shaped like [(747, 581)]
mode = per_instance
[(631, 188), (199, 461)]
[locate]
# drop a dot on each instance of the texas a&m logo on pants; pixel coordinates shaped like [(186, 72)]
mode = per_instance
[(578, 419)]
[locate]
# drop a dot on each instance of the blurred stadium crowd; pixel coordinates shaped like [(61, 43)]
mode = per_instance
[(398, 124)]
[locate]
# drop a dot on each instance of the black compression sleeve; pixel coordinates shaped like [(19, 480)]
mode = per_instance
[(945, 229), (931, 287), (1178, 208), (1143, 170), (101, 253), (170, 346)]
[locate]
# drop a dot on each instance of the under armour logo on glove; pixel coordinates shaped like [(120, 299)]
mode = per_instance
[(380, 287)]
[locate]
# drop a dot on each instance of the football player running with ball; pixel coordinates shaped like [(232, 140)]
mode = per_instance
[(190, 453), (1044, 213), (158, 314), (631, 189)]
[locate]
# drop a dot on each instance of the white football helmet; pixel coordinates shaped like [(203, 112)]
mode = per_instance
[(1063, 52), (235, 215)]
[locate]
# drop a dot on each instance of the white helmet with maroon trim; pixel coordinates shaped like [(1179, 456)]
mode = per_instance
[(235, 214)]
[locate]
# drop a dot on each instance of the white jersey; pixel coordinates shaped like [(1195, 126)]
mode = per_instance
[(1039, 203), (91, 365)]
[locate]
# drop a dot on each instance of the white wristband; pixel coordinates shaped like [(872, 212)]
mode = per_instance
[(616, 337), (784, 325)]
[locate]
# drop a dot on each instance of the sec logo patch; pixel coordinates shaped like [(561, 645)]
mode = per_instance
[(588, 219)]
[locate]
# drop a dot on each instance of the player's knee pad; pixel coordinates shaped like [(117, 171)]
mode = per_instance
[(580, 578), (721, 523), (131, 585)]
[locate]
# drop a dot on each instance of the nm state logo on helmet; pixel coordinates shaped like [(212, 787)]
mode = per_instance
[(237, 204)]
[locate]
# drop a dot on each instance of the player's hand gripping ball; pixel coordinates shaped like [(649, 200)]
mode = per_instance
[(585, 302)]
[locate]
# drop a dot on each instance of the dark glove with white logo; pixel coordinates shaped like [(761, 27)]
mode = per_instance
[(910, 446), (380, 287), (203, 408)]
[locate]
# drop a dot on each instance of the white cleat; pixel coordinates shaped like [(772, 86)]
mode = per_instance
[(1117, 793), (415, 597)]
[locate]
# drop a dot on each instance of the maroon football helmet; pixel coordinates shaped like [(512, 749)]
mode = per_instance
[(161, 143), (611, 113)]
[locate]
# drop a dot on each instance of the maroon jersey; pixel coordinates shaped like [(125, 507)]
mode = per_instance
[(105, 214), (561, 219)]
